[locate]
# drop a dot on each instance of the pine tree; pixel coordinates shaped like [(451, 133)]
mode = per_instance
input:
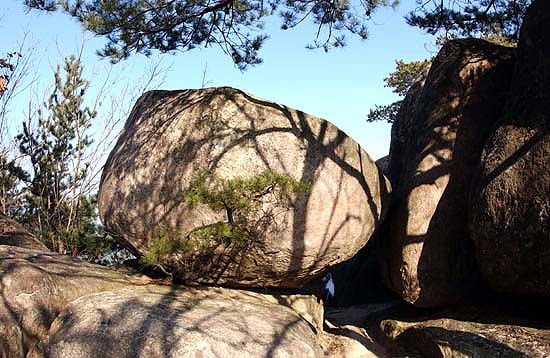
[(236, 26), (500, 28), (54, 207), (11, 174), (248, 204), (400, 81)]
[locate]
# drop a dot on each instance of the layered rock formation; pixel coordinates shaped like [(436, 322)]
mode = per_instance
[(436, 143), (172, 137), (510, 215)]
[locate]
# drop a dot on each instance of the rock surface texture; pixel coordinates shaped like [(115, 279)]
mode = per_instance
[(451, 338), (492, 327), (55, 306), (170, 137), (510, 215), (14, 234), (436, 144), (36, 286), (155, 321)]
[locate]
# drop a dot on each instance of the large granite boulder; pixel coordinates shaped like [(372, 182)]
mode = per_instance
[(510, 214), (14, 234), (36, 286), (157, 321), (436, 144), (402, 131), (173, 136)]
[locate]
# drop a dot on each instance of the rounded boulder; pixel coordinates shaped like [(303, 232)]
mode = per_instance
[(510, 212), (173, 138)]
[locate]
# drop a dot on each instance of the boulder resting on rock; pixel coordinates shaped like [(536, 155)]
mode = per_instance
[(174, 137)]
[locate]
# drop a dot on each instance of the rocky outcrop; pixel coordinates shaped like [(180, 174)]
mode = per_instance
[(510, 214), (171, 137), (36, 286), (490, 327), (55, 306), (14, 234), (436, 144), (451, 338), (155, 321)]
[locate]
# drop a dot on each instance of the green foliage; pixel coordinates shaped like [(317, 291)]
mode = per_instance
[(241, 195), (471, 18), (242, 199), (89, 238), (54, 141), (386, 112), (236, 26), (405, 74), (11, 178), (500, 40), (400, 80), (167, 244), (220, 232)]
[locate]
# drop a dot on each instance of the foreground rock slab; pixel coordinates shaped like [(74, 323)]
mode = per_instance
[(450, 338), (488, 327), (35, 286), (157, 321), (14, 234), (510, 214), (173, 136), (433, 157)]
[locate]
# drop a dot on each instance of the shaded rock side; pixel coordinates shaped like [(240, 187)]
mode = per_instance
[(156, 321), (510, 214), (14, 234), (486, 327), (436, 144), (383, 164), (170, 137), (355, 281), (36, 286), (451, 338), (402, 130)]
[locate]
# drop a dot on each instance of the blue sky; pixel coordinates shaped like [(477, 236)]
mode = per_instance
[(340, 86)]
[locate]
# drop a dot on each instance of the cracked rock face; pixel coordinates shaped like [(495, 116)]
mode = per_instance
[(172, 136)]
